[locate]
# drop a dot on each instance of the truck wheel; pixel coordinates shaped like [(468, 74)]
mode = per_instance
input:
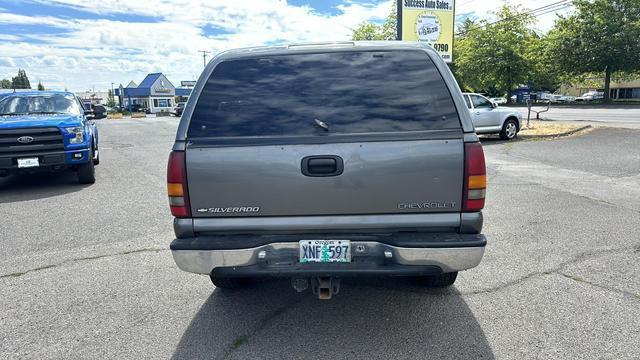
[(87, 172), (229, 283), (439, 281), (509, 130), (96, 154)]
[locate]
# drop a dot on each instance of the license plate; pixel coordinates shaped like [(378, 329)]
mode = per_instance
[(325, 251), (28, 162)]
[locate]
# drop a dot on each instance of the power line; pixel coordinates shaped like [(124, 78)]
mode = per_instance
[(551, 7), (204, 56), (466, 3), (554, 10), (543, 10)]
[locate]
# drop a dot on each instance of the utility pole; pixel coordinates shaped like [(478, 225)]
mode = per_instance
[(204, 56)]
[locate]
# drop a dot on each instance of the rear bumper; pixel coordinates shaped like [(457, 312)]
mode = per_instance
[(368, 258)]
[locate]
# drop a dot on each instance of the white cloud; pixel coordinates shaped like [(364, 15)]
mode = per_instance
[(94, 53), (7, 62), (98, 52), (8, 37)]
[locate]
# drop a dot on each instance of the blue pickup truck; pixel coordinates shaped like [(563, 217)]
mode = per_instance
[(47, 131)]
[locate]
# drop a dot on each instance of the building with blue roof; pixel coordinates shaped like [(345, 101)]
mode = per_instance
[(155, 93)]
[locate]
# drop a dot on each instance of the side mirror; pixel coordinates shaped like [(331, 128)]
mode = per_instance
[(90, 114), (494, 105)]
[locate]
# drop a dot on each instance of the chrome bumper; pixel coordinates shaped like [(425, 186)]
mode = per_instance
[(448, 259)]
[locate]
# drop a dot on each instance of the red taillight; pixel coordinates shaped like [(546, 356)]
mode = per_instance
[(177, 185), (475, 177)]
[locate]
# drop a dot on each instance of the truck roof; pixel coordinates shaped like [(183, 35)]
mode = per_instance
[(324, 46)]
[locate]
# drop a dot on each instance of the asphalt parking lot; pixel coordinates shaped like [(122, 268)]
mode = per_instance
[(85, 271), (627, 115)]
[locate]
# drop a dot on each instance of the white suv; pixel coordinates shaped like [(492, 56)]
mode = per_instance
[(488, 118)]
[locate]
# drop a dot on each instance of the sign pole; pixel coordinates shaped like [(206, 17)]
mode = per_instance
[(399, 20)]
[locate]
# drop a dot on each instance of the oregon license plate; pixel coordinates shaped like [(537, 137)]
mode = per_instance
[(325, 251), (28, 162)]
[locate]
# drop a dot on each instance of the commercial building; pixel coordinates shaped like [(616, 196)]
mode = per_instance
[(155, 93), (619, 90), (624, 90)]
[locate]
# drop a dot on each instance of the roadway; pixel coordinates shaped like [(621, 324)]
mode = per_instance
[(626, 115), (85, 271)]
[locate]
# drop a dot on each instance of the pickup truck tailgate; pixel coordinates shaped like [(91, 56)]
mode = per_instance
[(377, 178)]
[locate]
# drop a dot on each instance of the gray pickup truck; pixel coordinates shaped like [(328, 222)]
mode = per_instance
[(318, 162)]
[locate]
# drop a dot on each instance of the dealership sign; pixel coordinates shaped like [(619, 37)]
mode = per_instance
[(428, 21)]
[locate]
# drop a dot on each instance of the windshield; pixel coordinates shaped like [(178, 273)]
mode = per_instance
[(39, 104)]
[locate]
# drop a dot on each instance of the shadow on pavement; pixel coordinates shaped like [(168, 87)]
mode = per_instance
[(488, 140), (25, 187), (391, 318)]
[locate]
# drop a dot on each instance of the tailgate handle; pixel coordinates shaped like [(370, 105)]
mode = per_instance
[(322, 165)]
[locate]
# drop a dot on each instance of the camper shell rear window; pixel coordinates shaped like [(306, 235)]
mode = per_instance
[(321, 94)]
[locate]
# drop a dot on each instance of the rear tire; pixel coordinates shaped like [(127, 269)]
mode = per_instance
[(229, 283), (439, 281), (96, 161), (509, 130), (87, 171)]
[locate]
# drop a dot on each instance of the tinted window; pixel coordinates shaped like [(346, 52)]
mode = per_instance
[(350, 92), (480, 102)]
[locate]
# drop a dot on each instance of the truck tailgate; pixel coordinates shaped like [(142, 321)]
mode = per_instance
[(385, 177)]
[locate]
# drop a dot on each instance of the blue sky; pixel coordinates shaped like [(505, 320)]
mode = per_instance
[(84, 44)]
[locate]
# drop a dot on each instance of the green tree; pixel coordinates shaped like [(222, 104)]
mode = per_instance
[(601, 36), (370, 31), (544, 73), (40, 86), (465, 27), (462, 30), (111, 100), (492, 56), (6, 84), (21, 81)]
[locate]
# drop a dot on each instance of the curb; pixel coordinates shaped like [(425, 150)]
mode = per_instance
[(566, 133)]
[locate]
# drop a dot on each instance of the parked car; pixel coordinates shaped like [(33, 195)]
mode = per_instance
[(134, 108), (590, 96), (179, 108), (284, 168), (99, 111), (499, 100), (45, 131), (566, 98), (545, 96), (488, 118), (555, 98)]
